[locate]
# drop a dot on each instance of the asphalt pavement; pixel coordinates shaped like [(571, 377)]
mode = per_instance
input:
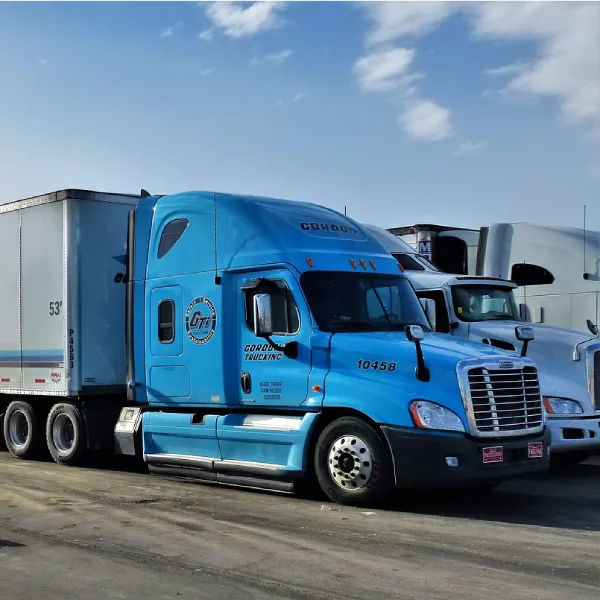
[(113, 531)]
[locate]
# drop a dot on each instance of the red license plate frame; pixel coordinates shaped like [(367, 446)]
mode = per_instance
[(535, 450), (493, 454)]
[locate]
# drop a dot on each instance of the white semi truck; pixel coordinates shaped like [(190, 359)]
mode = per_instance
[(556, 269), (484, 309)]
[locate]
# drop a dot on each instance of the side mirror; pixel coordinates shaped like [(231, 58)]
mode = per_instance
[(263, 316), (524, 313), (592, 327), (430, 312), (525, 335), (414, 333)]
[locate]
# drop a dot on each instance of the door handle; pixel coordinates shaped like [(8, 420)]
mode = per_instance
[(246, 382)]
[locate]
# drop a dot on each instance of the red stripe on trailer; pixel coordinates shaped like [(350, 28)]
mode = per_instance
[(40, 381), (5, 380)]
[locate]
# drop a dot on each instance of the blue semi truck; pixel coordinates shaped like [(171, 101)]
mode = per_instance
[(245, 340)]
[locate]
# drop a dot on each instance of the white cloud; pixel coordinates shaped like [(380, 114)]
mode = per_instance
[(468, 148), (170, 30), (42, 61), (241, 19), (384, 70), (393, 20), (276, 58), (507, 70), (426, 121), (207, 72), (565, 64), (300, 96), (207, 35)]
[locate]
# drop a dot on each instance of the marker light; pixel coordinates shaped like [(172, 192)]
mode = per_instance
[(309, 261), (363, 264), (401, 267), (373, 265), (353, 263), (317, 388)]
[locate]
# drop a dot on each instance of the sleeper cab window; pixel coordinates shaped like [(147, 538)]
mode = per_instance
[(286, 319), (170, 235), (166, 321)]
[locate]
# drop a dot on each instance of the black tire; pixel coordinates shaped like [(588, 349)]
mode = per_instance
[(66, 435), (343, 444), (22, 430), (567, 460)]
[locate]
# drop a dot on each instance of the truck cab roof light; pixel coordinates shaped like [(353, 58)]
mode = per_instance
[(353, 263), (363, 264), (373, 265)]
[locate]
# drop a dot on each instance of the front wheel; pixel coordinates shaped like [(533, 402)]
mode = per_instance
[(352, 463), (66, 434)]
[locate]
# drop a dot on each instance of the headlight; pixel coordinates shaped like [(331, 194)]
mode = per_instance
[(562, 406), (428, 415)]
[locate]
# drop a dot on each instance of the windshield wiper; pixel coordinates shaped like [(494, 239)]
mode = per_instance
[(354, 324)]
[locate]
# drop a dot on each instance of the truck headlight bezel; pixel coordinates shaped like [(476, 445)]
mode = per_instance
[(556, 406), (435, 417)]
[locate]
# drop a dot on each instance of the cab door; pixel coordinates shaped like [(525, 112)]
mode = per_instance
[(267, 376), (168, 376)]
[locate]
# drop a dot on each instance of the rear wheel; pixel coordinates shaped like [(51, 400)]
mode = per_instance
[(22, 433), (66, 434), (352, 463)]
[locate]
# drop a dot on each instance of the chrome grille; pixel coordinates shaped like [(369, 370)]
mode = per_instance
[(505, 400)]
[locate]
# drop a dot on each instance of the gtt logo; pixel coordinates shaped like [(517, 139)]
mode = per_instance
[(200, 322)]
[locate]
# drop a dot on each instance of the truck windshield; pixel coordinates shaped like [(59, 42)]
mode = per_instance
[(343, 302), (484, 303)]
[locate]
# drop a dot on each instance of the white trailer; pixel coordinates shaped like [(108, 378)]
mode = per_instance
[(62, 301)]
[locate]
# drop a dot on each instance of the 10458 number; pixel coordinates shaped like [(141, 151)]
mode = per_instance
[(376, 365)]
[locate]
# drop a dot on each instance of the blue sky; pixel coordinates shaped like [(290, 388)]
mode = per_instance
[(405, 112)]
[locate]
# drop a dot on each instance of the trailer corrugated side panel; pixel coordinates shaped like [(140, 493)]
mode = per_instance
[(102, 247), (10, 340), (43, 298)]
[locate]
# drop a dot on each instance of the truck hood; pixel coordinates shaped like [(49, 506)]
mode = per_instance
[(439, 350), (552, 351), (561, 340)]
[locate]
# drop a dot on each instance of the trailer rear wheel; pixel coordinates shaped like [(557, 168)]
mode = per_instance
[(66, 434), (352, 463), (21, 430)]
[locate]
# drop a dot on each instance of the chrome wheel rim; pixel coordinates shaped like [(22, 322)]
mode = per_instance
[(63, 433), (350, 463), (18, 428)]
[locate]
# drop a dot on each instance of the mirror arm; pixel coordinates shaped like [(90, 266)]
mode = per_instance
[(421, 370), (524, 348), (290, 350)]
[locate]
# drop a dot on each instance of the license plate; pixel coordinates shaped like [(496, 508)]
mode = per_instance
[(494, 454), (535, 450)]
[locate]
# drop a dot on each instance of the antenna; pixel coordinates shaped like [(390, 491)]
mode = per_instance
[(217, 278), (144, 193), (585, 273), (345, 213)]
